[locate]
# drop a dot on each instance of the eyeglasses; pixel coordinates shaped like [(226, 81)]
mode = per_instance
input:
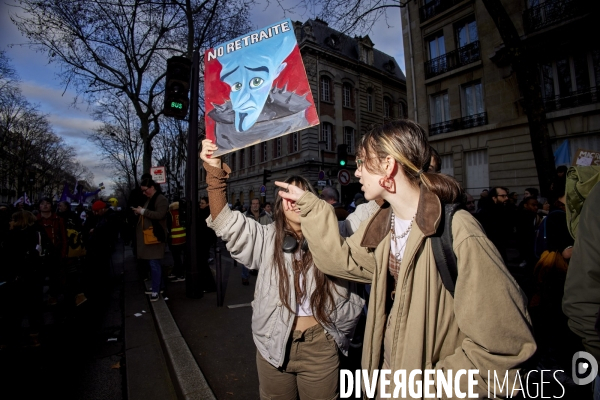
[(145, 190), (359, 164)]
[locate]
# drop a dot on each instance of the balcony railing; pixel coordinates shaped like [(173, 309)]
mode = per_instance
[(435, 7), (452, 125), (452, 60), (573, 99), (551, 12)]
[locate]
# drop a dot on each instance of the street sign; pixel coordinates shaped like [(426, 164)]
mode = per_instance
[(321, 183), (263, 194), (344, 176), (321, 175), (263, 189), (159, 175)]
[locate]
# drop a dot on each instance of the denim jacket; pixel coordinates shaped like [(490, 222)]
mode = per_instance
[(253, 245)]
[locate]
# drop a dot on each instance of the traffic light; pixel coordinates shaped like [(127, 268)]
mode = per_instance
[(266, 175), (342, 154), (177, 86)]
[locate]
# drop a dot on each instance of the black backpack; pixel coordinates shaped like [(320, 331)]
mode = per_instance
[(441, 241)]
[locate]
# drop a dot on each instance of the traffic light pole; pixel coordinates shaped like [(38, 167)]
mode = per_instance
[(193, 277)]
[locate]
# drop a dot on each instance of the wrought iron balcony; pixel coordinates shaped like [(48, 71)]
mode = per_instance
[(573, 99), (452, 60), (435, 7), (452, 125), (551, 12)]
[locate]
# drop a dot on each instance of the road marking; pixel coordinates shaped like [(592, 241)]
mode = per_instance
[(240, 305)]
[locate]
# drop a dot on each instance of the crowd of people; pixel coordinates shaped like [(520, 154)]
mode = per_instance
[(55, 258)]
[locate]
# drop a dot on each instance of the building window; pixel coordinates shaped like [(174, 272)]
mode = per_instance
[(447, 164), (570, 81), (387, 107), (277, 148), (477, 171), (349, 138), (440, 109), (294, 139), (403, 110), (466, 32), (263, 152), (242, 158), (370, 100), (472, 99), (232, 160), (326, 129), (437, 47), (253, 155), (347, 89), (325, 88)]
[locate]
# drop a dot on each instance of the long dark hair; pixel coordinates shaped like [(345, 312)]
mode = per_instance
[(321, 300), (406, 142)]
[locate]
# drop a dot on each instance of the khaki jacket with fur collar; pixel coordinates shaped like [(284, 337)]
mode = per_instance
[(485, 326)]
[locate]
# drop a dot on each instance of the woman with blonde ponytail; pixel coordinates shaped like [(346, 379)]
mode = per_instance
[(413, 322)]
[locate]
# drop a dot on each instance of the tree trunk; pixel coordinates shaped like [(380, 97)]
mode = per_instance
[(526, 70)]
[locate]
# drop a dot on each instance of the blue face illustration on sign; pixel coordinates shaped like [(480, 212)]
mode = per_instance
[(250, 76)]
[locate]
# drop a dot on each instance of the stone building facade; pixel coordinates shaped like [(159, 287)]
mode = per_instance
[(354, 86), (465, 95)]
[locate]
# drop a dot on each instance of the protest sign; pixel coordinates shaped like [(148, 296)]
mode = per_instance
[(256, 89)]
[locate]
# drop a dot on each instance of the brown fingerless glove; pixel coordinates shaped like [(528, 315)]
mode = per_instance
[(216, 179)]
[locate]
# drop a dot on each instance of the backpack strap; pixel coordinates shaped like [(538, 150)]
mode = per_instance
[(445, 259)]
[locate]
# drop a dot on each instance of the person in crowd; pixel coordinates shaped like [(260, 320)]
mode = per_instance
[(556, 343), (470, 204), (136, 199), (269, 209), (25, 277), (581, 300), (204, 203), (409, 306), (332, 196), (358, 198), (152, 215), (55, 229), (70, 219), (177, 240), (301, 317), (258, 214), (561, 171), (100, 245), (526, 223), (205, 241), (498, 220), (484, 199)]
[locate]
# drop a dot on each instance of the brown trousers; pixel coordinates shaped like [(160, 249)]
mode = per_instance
[(310, 369)]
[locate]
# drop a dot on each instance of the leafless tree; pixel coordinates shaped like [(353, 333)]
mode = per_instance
[(121, 46), (347, 16), (118, 140)]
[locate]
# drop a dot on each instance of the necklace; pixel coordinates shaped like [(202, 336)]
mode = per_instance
[(396, 237)]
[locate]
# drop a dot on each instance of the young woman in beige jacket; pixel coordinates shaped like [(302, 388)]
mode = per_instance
[(413, 322)]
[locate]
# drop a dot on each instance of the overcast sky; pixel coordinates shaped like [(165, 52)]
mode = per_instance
[(41, 86)]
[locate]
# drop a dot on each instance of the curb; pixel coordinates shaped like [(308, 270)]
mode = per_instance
[(188, 378)]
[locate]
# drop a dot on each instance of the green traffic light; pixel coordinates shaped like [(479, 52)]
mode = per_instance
[(342, 163), (177, 105)]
